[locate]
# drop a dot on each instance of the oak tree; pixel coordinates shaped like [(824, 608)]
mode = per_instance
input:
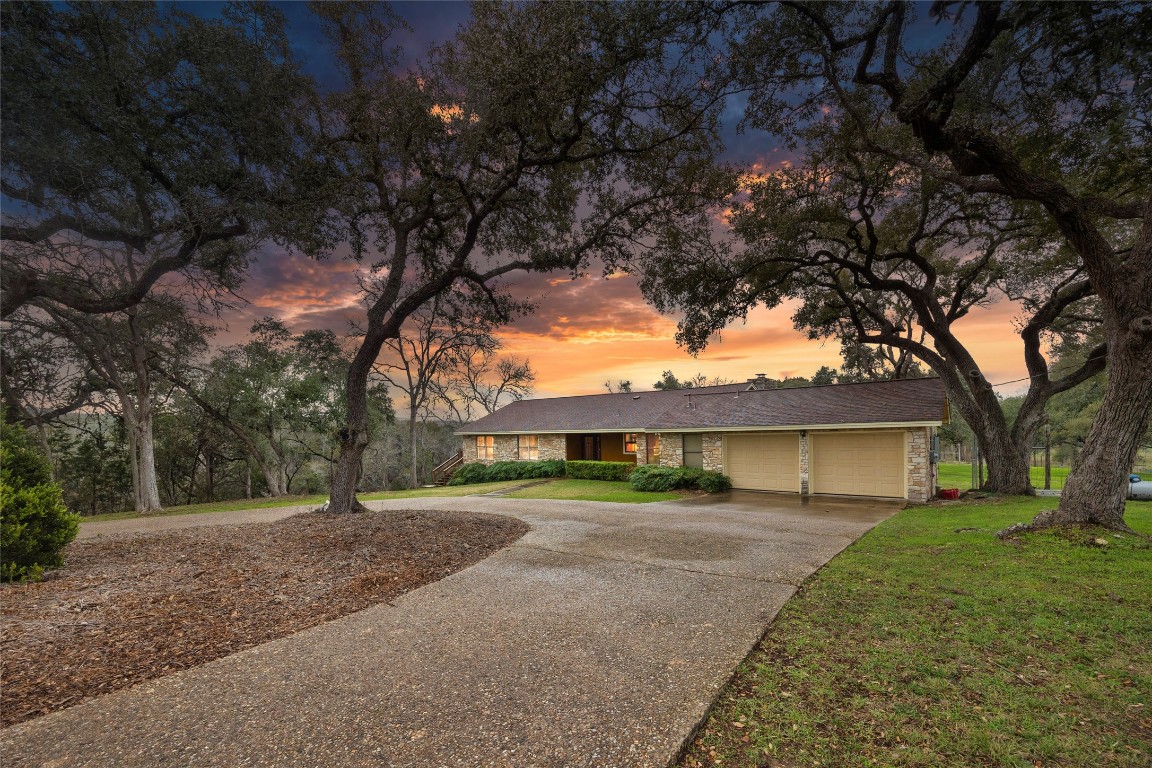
[(539, 138)]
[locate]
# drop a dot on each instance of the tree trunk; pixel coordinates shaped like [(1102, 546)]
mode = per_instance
[(1008, 471), (132, 435), (1007, 458), (353, 438), (149, 496), (210, 468), (1097, 486), (414, 480)]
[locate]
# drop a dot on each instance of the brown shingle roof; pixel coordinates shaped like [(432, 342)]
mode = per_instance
[(725, 407)]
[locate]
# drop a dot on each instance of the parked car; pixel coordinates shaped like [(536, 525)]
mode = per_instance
[(1139, 489)]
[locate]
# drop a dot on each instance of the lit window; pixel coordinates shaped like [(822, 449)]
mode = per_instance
[(528, 447), (630, 442), (484, 446)]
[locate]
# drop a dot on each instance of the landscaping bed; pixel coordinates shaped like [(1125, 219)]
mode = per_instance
[(133, 607)]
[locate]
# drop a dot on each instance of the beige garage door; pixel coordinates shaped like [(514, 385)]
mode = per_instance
[(763, 462), (857, 463)]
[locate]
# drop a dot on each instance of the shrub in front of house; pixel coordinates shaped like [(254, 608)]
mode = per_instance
[(35, 526), (524, 470), (714, 482), (600, 470), (477, 472), (653, 478), (469, 474)]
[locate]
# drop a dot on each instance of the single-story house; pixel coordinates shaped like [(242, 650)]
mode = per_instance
[(868, 439)]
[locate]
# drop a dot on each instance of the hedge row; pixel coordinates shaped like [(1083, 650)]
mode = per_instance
[(600, 470), (650, 477), (477, 472), (646, 477)]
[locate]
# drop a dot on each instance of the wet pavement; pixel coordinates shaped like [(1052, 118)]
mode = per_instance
[(598, 639)]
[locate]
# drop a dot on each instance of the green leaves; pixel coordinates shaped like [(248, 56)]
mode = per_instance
[(35, 526)]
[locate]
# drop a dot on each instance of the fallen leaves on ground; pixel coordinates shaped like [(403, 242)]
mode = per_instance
[(134, 607)]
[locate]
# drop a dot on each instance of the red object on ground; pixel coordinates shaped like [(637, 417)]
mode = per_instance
[(949, 493)]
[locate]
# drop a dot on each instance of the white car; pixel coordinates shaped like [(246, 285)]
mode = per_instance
[(1139, 489)]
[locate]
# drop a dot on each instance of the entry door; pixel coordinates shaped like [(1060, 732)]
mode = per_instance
[(591, 448)]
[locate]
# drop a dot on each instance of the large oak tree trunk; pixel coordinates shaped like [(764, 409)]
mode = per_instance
[(149, 493), (1006, 450), (1097, 486), (1008, 470)]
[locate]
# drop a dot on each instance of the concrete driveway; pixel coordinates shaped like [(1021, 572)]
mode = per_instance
[(598, 639)]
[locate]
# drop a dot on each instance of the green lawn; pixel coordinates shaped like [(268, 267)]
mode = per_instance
[(591, 490), (960, 476), (289, 501), (932, 643)]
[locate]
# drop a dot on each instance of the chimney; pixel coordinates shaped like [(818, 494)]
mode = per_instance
[(759, 383)]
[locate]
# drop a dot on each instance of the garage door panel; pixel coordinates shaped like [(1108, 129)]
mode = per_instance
[(763, 462), (858, 464)]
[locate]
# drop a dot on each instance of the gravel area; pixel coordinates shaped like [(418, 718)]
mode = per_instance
[(133, 607)]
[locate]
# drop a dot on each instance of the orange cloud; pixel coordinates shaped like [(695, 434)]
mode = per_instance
[(591, 329)]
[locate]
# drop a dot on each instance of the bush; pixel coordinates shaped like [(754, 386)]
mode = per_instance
[(35, 526), (654, 478), (714, 482), (600, 470), (476, 472), (469, 474)]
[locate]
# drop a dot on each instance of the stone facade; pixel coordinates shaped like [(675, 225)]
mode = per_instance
[(553, 447), (805, 487), (507, 448), (921, 470), (713, 444), (671, 449), (641, 449)]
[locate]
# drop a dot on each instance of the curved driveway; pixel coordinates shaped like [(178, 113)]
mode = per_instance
[(598, 639)]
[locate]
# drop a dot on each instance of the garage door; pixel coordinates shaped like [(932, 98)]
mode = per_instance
[(763, 462), (857, 463)]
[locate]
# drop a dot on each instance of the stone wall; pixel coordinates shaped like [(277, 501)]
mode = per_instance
[(552, 447), (671, 449), (641, 448), (805, 487), (921, 470), (504, 448), (713, 444)]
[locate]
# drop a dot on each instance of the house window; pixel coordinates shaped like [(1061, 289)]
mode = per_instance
[(528, 447), (484, 446), (629, 442), (694, 450)]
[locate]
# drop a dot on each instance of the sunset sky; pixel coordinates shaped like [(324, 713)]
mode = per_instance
[(591, 329)]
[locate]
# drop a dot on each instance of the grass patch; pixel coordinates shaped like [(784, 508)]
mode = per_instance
[(932, 643), (293, 501), (592, 490), (960, 476)]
